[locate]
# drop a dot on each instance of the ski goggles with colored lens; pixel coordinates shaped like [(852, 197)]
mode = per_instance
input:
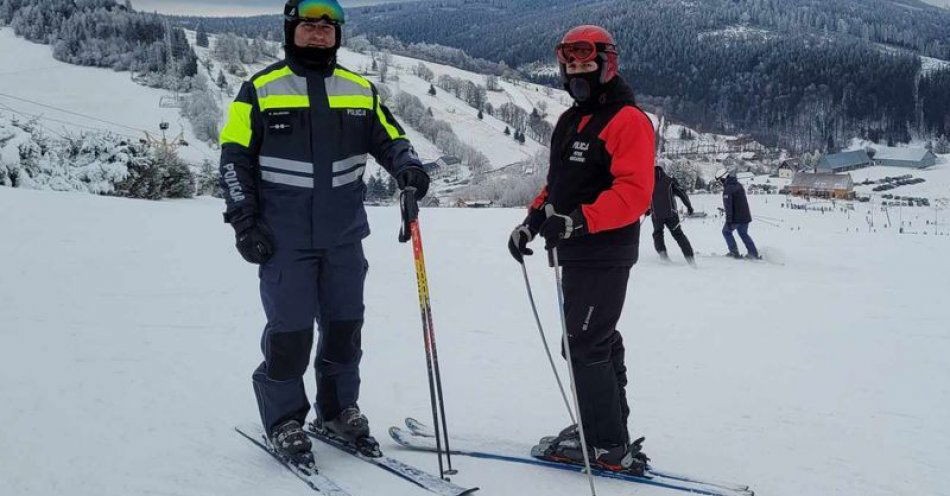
[(580, 51), (577, 51), (315, 10)]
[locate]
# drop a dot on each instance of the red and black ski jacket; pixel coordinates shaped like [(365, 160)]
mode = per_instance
[(602, 161)]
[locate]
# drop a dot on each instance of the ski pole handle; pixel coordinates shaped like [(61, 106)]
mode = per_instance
[(409, 211)]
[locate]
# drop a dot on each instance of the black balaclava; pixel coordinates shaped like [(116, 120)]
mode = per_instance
[(316, 58), (585, 88)]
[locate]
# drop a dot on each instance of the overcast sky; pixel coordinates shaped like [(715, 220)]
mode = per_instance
[(226, 7), (256, 7)]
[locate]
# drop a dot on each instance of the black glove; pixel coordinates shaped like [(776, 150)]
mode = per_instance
[(413, 177), (518, 242), (689, 210), (254, 241), (559, 227), (524, 233), (409, 212)]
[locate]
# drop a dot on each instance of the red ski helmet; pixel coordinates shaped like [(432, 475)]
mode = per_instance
[(586, 43)]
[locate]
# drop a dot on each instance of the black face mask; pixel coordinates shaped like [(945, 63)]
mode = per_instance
[(584, 87), (312, 57)]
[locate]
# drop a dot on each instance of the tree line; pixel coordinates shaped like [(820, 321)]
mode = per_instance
[(803, 74), (104, 33)]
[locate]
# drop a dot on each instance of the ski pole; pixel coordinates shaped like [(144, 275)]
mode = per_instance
[(768, 222), (544, 341), (410, 231), (570, 368)]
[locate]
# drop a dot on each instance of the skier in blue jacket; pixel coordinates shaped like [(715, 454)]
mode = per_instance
[(738, 215)]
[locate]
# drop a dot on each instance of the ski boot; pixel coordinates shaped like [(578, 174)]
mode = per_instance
[(350, 427), (566, 448), (629, 459), (753, 256), (691, 261), (734, 255), (292, 444), (664, 257)]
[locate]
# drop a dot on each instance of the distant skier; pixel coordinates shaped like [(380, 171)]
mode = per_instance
[(293, 154), (738, 216), (599, 184), (664, 214)]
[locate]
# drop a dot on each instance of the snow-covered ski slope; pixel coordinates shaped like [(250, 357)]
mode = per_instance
[(71, 98), (130, 330)]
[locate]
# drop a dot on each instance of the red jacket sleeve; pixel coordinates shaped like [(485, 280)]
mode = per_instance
[(630, 141), (540, 199)]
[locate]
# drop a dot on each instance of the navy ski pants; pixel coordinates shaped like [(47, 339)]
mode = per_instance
[(298, 288), (743, 229)]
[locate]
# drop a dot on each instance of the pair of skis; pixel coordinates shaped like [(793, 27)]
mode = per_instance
[(324, 485), (417, 436)]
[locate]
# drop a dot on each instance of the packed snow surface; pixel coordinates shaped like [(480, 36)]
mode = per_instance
[(131, 328)]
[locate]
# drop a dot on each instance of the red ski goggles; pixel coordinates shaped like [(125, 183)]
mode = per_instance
[(580, 51)]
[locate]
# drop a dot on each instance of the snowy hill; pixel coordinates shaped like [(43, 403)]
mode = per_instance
[(509, 159), (132, 328), (69, 98)]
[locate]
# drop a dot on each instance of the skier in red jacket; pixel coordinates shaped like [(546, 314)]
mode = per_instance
[(599, 184)]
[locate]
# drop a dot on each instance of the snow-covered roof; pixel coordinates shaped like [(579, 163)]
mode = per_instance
[(822, 181), (901, 153), (844, 159)]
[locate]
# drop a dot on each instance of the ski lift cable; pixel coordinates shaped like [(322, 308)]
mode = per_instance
[(91, 128), (31, 117), (38, 69), (71, 112), (68, 123)]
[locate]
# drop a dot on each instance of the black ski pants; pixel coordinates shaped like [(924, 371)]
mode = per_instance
[(593, 301), (298, 288), (676, 229)]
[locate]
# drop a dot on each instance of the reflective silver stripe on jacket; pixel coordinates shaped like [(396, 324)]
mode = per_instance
[(348, 163), (287, 179), (287, 85), (286, 164), (338, 86), (349, 177)]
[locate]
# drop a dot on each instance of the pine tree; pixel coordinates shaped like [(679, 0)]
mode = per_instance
[(177, 179), (201, 37), (391, 187), (371, 188), (481, 115), (432, 90), (507, 131), (942, 145)]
